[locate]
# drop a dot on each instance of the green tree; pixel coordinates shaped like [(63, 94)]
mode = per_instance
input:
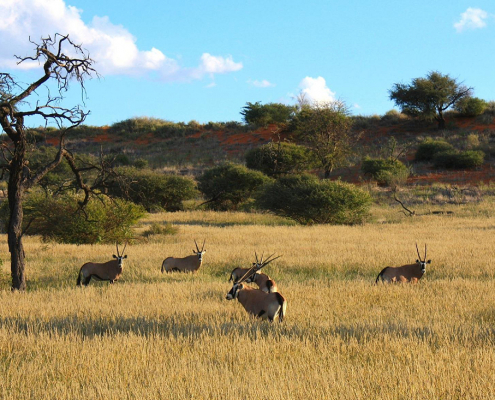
[(274, 159), (264, 114), (327, 130), (309, 200), (471, 106), (227, 186), (429, 97), (153, 190)]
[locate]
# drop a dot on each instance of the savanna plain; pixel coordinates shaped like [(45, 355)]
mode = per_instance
[(175, 336)]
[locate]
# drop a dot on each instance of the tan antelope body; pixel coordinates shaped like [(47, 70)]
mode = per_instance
[(257, 302), (186, 264), (108, 271), (264, 282), (405, 273)]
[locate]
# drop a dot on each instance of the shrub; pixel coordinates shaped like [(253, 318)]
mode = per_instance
[(385, 171), (264, 114), (153, 190), (61, 219), (459, 159), (309, 200), (160, 229), (471, 106), (227, 186), (429, 147), (279, 158)]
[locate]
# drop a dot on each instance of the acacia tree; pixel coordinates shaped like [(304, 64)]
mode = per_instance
[(62, 61), (327, 130), (429, 97)]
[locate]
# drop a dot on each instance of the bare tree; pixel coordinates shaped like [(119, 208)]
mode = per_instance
[(63, 61)]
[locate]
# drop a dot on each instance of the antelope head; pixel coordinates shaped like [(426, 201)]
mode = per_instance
[(120, 257), (259, 264), (198, 252), (422, 262)]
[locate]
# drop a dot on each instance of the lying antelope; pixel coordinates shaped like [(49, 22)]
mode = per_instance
[(109, 271), (406, 273), (186, 264), (264, 282), (257, 302)]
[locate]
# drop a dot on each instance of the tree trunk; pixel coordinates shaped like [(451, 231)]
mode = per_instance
[(441, 120), (15, 195)]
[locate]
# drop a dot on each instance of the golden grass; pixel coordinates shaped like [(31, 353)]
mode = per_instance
[(175, 336)]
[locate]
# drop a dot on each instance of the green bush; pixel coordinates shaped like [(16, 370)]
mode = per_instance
[(459, 159), (309, 200), (61, 219), (264, 114), (385, 171), (471, 106), (153, 190), (228, 186), (429, 147), (275, 159)]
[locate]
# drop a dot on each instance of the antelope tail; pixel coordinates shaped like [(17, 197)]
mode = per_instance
[(281, 301), (79, 278)]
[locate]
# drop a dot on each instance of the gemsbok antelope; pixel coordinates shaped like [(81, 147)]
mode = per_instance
[(406, 273), (108, 271), (257, 302), (263, 281), (186, 264)]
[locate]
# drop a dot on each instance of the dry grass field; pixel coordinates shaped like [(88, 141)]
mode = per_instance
[(159, 336)]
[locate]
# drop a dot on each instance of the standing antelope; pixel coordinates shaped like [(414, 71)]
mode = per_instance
[(257, 302), (109, 271), (264, 282), (406, 273), (186, 264)]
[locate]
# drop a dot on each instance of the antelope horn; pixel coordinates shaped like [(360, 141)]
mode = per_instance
[(202, 248), (197, 248), (268, 261), (425, 253), (417, 250), (256, 255), (123, 251), (117, 244), (247, 274)]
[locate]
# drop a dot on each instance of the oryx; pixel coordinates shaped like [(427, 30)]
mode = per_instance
[(405, 273), (108, 271), (264, 282), (257, 302), (186, 264)]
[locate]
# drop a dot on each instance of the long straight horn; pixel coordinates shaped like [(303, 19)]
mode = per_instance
[(247, 274), (417, 250), (425, 253), (268, 261), (197, 248), (117, 244), (123, 251), (202, 248), (256, 255)]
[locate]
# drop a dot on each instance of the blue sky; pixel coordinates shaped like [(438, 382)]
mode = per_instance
[(184, 60)]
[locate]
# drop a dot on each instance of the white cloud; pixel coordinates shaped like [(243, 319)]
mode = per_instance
[(315, 90), (261, 84), (472, 18), (112, 46)]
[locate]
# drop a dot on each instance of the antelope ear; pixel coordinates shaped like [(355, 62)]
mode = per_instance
[(417, 261), (204, 251), (240, 287), (428, 262), (114, 256), (125, 256)]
